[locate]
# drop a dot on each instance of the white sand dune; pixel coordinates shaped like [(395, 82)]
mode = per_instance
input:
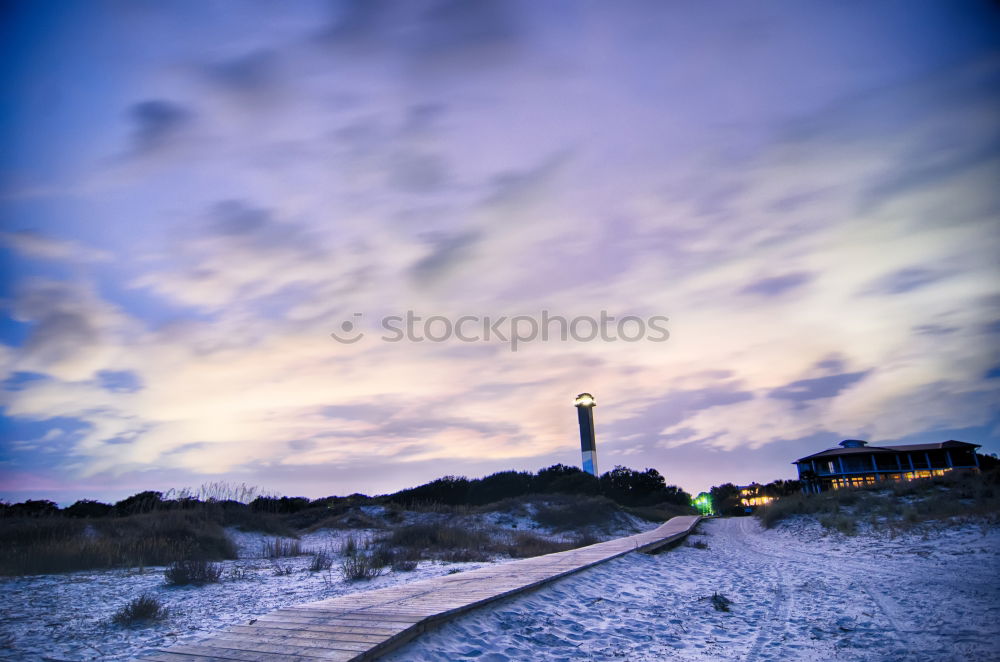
[(66, 616), (797, 594)]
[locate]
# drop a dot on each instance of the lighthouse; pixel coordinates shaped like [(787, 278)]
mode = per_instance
[(585, 404)]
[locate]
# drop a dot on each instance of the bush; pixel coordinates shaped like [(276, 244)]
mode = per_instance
[(239, 573), (576, 512), (894, 505), (280, 547), (60, 544), (88, 508), (279, 570), (641, 488), (192, 572), (141, 610), (321, 560), (720, 602), (440, 541), (660, 512), (446, 542), (361, 566), (349, 547), (403, 565), (525, 545)]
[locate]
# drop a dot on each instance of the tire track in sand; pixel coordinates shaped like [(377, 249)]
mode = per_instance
[(909, 637), (771, 632)]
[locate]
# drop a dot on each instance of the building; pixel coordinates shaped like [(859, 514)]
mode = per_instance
[(752, 496), (856, 464)]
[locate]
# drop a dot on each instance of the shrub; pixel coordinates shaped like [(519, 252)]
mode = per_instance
[(641, 488), (239, 573), (192, 572), (361, 566), (349, 547), (321, 560), (88, 508), (279, 570), (585, 539), (449, 490), (525, 545), (143, 502), (403, 565), (280, 547), (32, 508), (660, 512), (141, 610), (440, 541), (446, 542), (245, 519), (720, 602), (61, 544), (845, 524), (892, 505), (575, 512)]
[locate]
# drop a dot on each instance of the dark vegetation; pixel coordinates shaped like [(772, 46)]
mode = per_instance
[(141, 610), (402, 547), (721, 602), (279, 547), (627, 487), (151, 528), (895, 506), (321, 560), (726, 497), (35, 545), (192, 572)]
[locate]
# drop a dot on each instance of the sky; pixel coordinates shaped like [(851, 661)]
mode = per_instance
[(195, 195)]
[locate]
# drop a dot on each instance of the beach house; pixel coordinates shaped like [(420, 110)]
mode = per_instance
[(855, 463)]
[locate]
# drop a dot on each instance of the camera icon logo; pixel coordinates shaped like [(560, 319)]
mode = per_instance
[(349, 329)]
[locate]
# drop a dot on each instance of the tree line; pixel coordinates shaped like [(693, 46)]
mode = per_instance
[(628, 487)]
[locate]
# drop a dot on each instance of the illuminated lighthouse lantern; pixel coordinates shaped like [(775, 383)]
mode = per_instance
[(585, 404)]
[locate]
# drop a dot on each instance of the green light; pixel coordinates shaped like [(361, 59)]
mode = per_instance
[(703, 502)]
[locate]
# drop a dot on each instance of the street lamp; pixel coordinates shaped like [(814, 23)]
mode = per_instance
[(585, 404)]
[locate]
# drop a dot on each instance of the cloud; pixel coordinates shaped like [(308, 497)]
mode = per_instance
[(250, 75), (39, 246), (72, 330), (156, 124), (119, 381), (474, 158), (428, 34), (777, 285), (417, 172), (446, 252), (907, 280), (671, 408), (820, 387), (242, 252)]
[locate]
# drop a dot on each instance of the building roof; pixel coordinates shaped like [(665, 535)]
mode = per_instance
[(864, 450)]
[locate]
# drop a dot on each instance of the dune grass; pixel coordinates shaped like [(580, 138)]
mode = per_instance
[(142, 610), (894, 505), (56, 544)]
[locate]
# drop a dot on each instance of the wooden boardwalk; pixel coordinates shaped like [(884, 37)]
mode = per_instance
[(364, 626)]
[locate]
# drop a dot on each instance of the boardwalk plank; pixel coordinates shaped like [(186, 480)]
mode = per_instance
[(368, 630), (249, 656), (304, 635), (259, 641)]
